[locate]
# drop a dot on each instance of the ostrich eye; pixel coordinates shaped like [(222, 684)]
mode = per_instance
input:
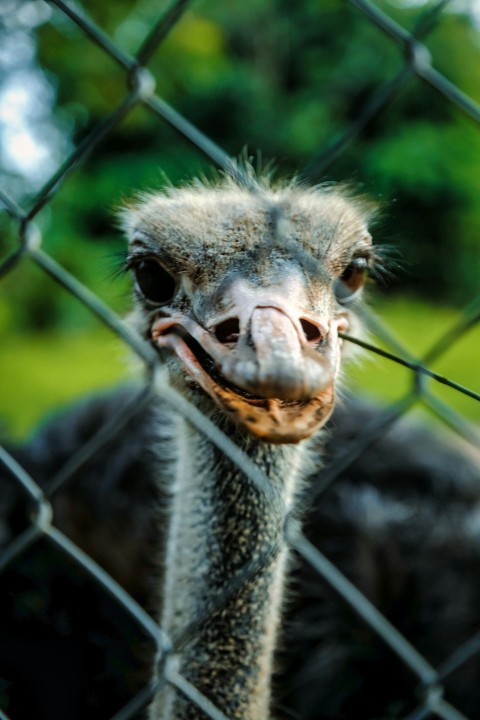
[(154, 282), (352, 279)]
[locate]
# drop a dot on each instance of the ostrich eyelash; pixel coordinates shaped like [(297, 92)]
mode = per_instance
[(384, 264), (120, 262), (130, 259), (381, 263)]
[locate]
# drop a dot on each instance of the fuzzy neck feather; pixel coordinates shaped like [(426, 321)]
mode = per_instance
[(218, 523)]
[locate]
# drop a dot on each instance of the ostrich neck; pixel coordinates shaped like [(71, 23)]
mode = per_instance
[(218, 523)]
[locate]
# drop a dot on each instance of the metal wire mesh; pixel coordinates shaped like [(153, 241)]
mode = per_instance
[(141, 92)]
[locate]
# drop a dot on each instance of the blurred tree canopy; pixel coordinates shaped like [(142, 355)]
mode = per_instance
[(283, 77)]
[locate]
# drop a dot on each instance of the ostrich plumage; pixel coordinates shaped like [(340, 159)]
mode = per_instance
[(243, 292)]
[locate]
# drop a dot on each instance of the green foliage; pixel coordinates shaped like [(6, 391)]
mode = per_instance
[(278, 76)]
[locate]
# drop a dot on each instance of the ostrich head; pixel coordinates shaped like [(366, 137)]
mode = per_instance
[(248, 289)]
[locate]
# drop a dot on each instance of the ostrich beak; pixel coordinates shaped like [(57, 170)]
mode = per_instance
[(272, 380), (273, 361)]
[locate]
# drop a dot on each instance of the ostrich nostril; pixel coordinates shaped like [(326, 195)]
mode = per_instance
[(228, 331), (313, 334)]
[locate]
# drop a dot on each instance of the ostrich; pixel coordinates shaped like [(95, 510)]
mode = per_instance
[(246, 291), (243, 292)]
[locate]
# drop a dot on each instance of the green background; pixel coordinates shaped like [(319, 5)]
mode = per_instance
[(278, 81)]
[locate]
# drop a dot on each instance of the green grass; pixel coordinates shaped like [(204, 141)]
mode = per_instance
[(418, 326), (41, 372)]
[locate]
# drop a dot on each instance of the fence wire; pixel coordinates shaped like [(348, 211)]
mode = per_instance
[(141, 92)]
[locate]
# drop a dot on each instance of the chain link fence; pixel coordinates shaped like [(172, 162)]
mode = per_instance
[(141, 92)]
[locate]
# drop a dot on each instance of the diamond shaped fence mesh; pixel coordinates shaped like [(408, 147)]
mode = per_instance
[(41, 527)]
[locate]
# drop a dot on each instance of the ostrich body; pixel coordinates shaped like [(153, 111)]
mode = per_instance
[(401, 522), (240, 288)]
